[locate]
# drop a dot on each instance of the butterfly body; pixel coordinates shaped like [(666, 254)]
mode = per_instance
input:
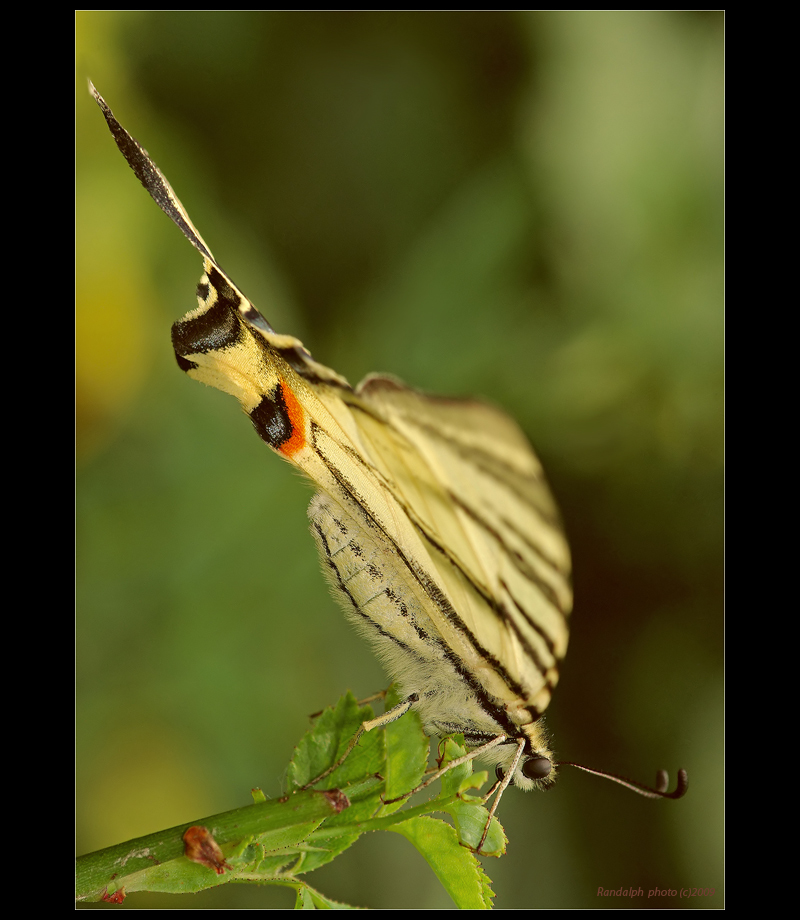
[(434, 523)]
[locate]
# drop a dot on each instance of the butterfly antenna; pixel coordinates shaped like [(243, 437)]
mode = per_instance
[(657, 792)]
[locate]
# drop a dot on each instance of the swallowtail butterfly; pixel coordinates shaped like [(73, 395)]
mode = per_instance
[(433, 519)]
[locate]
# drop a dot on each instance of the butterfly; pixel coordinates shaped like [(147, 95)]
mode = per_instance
[(434, 522)]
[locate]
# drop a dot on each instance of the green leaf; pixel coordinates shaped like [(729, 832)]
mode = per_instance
[(456, 867), (323, 850), (327, 741), (470, 821), (468, 812)]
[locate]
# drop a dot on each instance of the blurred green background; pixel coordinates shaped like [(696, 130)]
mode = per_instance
[(522, 206)]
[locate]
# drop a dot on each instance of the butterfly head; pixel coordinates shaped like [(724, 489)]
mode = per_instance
[(534, 767)]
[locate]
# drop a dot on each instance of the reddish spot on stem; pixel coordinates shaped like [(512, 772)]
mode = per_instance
[(200, 847)]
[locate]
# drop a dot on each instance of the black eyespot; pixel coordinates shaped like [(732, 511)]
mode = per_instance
[(536, 767)]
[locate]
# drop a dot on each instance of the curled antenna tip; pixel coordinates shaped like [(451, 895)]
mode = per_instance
[(682, 787)]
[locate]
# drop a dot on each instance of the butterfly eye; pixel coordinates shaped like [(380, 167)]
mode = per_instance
[(536, 768)]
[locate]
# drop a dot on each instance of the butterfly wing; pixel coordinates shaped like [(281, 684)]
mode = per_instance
[(438, 528)]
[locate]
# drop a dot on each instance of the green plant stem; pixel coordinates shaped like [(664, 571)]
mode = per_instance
[(274, 824)]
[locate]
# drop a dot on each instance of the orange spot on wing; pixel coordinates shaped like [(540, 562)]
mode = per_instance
[(297, 418)]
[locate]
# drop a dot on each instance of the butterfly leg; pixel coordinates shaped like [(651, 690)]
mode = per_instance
[(501, 788), (394, 713), (453, 763)]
